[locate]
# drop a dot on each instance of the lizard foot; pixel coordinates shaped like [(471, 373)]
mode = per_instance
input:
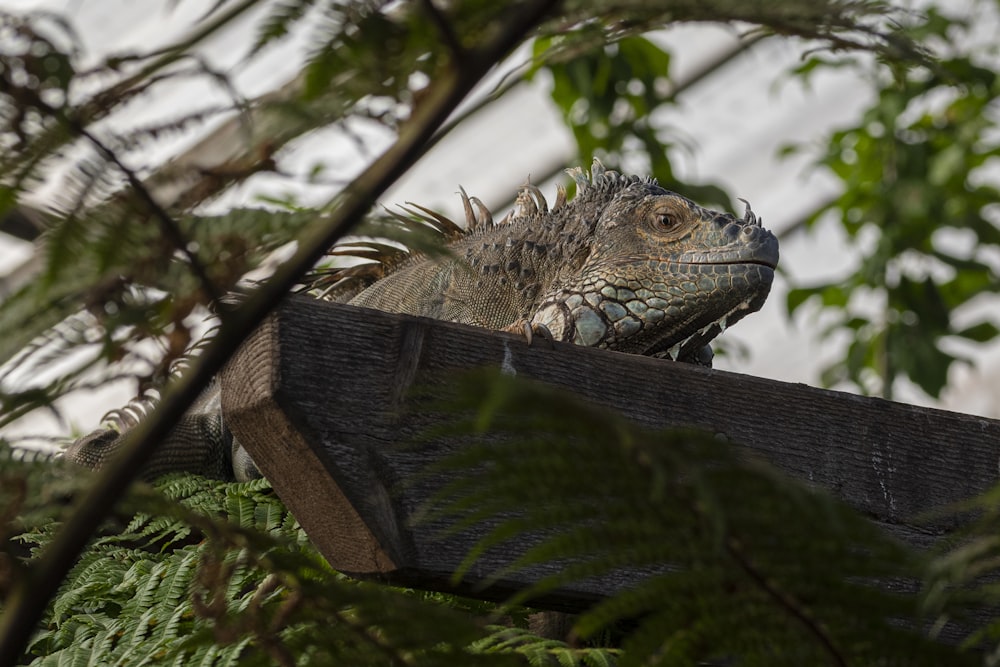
[(529, 331)]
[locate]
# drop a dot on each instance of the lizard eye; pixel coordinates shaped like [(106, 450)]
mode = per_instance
[(666, 222)]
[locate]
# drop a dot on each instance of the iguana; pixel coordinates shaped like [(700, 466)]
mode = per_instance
[(625, 265)]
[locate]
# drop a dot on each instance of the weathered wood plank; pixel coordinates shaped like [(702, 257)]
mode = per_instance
[(317, 394)]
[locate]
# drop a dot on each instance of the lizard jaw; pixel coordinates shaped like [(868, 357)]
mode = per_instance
[(707, 333)]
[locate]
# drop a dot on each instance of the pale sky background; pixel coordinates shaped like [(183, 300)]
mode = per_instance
[(736, 121)]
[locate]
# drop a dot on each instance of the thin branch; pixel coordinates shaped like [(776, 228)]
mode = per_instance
[(32, 593), (168, 226), (785, 601), (801, 222), (181, 49), (509, 84), (444, 27)]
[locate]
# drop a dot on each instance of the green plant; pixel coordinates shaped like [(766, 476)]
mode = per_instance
[(919, 206), (212, 573)]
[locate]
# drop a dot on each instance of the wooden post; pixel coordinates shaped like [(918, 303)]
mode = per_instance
[(317, 397)]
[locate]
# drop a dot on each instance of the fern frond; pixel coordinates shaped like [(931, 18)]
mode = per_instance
[(732, 558), (960, 583), (280, 21), (252, 591), (96, 577), (541, 652)]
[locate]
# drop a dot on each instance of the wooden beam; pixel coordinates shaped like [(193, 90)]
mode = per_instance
[(317, 395)]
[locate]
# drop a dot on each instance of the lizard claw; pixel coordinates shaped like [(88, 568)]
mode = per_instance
[(530, 330)]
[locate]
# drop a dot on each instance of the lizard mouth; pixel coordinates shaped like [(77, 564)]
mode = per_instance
[(763, 251), (757, 262), (701, 337), (766, 262)]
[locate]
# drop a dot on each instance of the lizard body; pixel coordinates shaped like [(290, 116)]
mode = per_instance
[(625, 265)]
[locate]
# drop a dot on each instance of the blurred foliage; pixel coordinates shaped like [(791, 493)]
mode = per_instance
[(919, 203), (609, 97), (961, 582), (735, 558)]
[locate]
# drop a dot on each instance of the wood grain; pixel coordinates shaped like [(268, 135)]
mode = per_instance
[(318, 397)]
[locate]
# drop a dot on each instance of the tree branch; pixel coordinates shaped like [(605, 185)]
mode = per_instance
[(31, 594), (444, 27)]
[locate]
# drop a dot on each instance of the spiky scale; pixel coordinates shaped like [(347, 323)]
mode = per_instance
[(608, 245)]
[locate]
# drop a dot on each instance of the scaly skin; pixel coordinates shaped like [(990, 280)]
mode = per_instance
[(625, 265)]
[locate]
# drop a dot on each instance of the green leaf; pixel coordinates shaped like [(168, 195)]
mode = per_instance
[(799, 295), (909, 168), (983, 332)]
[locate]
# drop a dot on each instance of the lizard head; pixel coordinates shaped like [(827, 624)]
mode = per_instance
[(663, 276)]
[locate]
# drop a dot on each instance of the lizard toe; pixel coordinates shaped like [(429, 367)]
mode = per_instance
[(529, 330)]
